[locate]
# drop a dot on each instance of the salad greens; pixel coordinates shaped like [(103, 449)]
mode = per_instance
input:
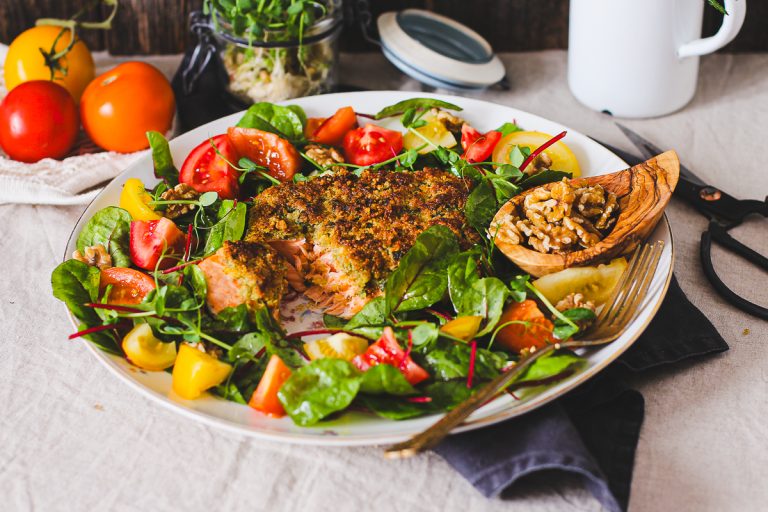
[(434, 284)]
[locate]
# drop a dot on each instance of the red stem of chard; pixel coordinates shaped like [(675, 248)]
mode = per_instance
[(472, 357), (539, 150), (179, 267), (312, 332), (98, 328), (444, 316), (419, 399)]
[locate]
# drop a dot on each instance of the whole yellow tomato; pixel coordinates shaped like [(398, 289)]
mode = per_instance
[(24, 61)]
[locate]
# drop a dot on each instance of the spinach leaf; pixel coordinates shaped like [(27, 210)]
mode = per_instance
[(321, 388), (416, 104), (110, 227), (452, 362), (481, 206), (333, 322), (472, 296), (196, 278), (287, 122), (424, 335), (446, 395), (542, 178), (441, 396), (420, 279), (242, 381), (550, 366), (564, 330), (162, 159), (370, 320), (462, 272), (248, 346), (508, 128), (76, 284), (385, 379), (233, 319), (230, 226)]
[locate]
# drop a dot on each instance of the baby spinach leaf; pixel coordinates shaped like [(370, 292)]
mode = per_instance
[(446, 395), (508, 128), (564, 330), (162, 160), (333, 322), (395, 408), (110, 227), (414, 103), (248, 345), (322, 387), (385, 379), (424, 335), (287, 122), (233, 319), (230, 226), (462, 272), (472, 296), (551, 365), (370, 320), (452, 362), (420, 279), (75, 284), (481, 206)]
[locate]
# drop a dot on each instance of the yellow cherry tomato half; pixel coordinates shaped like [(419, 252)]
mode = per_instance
[(24, 61), (434, 132), (595, 283), (144, 350), (135, 200), (196, 371), (562, 157), (339, 346), (463, 327)]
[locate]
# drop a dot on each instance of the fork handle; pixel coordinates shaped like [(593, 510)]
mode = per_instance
[(437, 432)]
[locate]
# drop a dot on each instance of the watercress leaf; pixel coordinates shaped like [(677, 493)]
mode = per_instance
[(516, 155), (453, 362), (110, 227), (542, 178), (551, 365), (579, 314), (416, 104), (196, 278), (385, 379), (518, 287), (564, 330), (509, 171), (75, 284), (321, 388), (420, 279), (504, 190), (481, 206), (419, 123), (162, 160), (208, 198), (284, 121), (508, 128), (424, 335), (408, 158)]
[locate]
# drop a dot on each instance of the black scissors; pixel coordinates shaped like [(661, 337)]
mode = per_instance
[(723, 211)]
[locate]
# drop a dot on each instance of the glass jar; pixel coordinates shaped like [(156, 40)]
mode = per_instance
[(277, 67)]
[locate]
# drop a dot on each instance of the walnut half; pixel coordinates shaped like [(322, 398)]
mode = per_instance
[(95, 256), (181, 192)]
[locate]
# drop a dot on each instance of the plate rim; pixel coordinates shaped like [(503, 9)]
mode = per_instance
[(373, 439)]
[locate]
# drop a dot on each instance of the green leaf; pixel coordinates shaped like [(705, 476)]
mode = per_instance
[(518, 287), (208, 198), (395, 408), (321, 388), (230, 226), (110, 227), (162, 160), (333, 322), (542, 178), (424, 335), (416, 104), (508, 128), (453, 362), (473, 296), (551, 365), (248, 345), (718, 6), (385, 379), (369, 320), (196, 278), (420, 279), (564, 330), (287, 122), (481, 206), (517, 155), (233, 319)]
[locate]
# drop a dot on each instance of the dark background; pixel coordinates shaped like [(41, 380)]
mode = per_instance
[(160, 26)]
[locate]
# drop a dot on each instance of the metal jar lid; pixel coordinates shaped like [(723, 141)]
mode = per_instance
[(438, 51)]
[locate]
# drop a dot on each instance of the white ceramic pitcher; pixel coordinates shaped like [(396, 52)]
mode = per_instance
[(640, 58)]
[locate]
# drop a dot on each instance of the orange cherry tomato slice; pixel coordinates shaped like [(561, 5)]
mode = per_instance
[(265, 397), (333, 129), (129, 286)]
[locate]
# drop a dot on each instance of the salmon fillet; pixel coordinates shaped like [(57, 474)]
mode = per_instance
[(342, 235)]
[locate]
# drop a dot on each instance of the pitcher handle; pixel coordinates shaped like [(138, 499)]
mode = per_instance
[(732, 22)]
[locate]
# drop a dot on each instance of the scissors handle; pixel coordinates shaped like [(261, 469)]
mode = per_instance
[(720, 235)]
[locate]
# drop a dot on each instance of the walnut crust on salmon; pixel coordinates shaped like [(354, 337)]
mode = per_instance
[(343, 234), (247, 273)]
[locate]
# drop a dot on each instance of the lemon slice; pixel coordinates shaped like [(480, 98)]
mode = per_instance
[(562, 157), (594, 283), (339, 346)]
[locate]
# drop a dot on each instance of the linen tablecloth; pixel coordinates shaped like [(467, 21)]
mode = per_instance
[(72, 437)]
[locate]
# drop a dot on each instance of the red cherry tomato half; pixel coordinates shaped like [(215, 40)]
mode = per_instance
[(151, 239), (206, 171), (129, 286), (371, 144), (38, 119), (268, 150), (478, 147), (333, 129), (388, 351)]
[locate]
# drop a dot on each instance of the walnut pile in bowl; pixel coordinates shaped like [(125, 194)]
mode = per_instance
[(562, 218)]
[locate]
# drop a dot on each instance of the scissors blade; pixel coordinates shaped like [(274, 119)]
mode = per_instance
[(648, 150)]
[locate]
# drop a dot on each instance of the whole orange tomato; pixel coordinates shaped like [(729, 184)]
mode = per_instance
[(25, 61), (120, 106)]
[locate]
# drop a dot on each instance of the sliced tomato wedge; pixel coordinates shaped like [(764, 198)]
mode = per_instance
[(371, 144), (388, 351), (151, 239), (478, 146), (265, 397), (206, 171), (313, 123), (267, 149), (129, 286), (333, 129)]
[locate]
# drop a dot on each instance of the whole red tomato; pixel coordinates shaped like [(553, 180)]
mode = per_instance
[(119, 107), (38, 119)]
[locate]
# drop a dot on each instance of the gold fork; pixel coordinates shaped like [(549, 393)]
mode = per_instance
[(620, 309)]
